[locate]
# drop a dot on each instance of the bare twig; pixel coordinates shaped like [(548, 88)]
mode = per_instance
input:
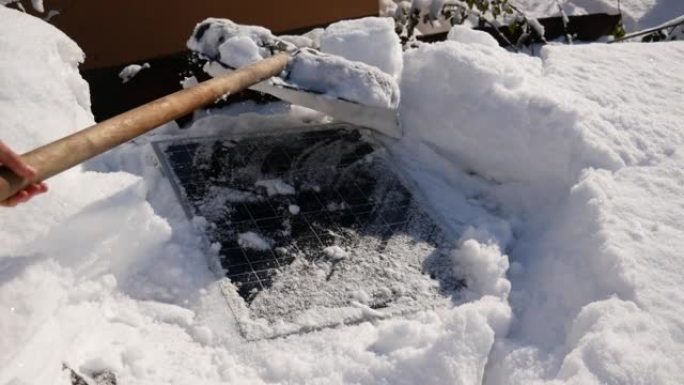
[(566, 22), (672, 23)]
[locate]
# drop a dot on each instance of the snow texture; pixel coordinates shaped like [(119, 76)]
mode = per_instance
[(562, 173), (294, 209), (276, 187), (370, 40), (252, 240), (335, 253), (582, 157), (470, 36), (537, 125), (340, 78), (131, 71), (211, 34)]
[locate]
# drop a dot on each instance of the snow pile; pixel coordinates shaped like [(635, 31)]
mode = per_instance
[(602, 288), (370, 40), (28, 88), (66, 260), (532, 118), (335, 253), (340, 78), (580, 149), (499, 105), (100, 282), (470, 36)]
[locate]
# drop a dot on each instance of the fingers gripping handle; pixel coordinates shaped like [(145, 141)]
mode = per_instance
[(63, 154), (10, 183)]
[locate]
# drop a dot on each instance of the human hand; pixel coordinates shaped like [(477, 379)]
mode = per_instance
[(13, 161)]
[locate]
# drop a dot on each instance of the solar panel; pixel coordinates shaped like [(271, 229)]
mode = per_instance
[(311, 225)]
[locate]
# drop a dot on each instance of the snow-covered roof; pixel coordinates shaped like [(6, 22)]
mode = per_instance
[(561, 174)]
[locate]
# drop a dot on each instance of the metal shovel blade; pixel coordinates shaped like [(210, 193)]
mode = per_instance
[(383, 120)]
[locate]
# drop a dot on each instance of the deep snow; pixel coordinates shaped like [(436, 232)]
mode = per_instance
[(583, 155), (562, 173)]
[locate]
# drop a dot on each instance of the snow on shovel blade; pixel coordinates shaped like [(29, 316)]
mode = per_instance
[(383, 120), (350, 91)]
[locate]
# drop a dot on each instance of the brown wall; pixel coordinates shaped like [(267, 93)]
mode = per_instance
[(116, 32)]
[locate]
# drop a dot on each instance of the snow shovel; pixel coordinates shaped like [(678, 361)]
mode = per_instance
[(313, 79), (381, 119), (63, 154)]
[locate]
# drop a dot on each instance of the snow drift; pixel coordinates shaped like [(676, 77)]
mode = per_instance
[(66, 260), (579, 150), (562, 174)]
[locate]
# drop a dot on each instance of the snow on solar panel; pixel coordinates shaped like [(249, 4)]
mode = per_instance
[(315, 229)]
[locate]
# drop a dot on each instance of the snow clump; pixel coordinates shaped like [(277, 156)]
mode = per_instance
[(335, 253), (212, 34), (371, 40), (471, 36), (131, 71), (294, 209), (254, 241), (338, 77), (276, 187)]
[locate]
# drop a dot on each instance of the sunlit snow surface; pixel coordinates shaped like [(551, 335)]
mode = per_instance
[(583, 191), (360, 247)]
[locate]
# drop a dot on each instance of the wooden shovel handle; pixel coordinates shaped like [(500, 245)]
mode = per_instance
[(63, 154)]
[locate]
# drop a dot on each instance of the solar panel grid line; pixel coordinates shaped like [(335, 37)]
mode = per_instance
[(261, 210), (251, 270), (277, 163)]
